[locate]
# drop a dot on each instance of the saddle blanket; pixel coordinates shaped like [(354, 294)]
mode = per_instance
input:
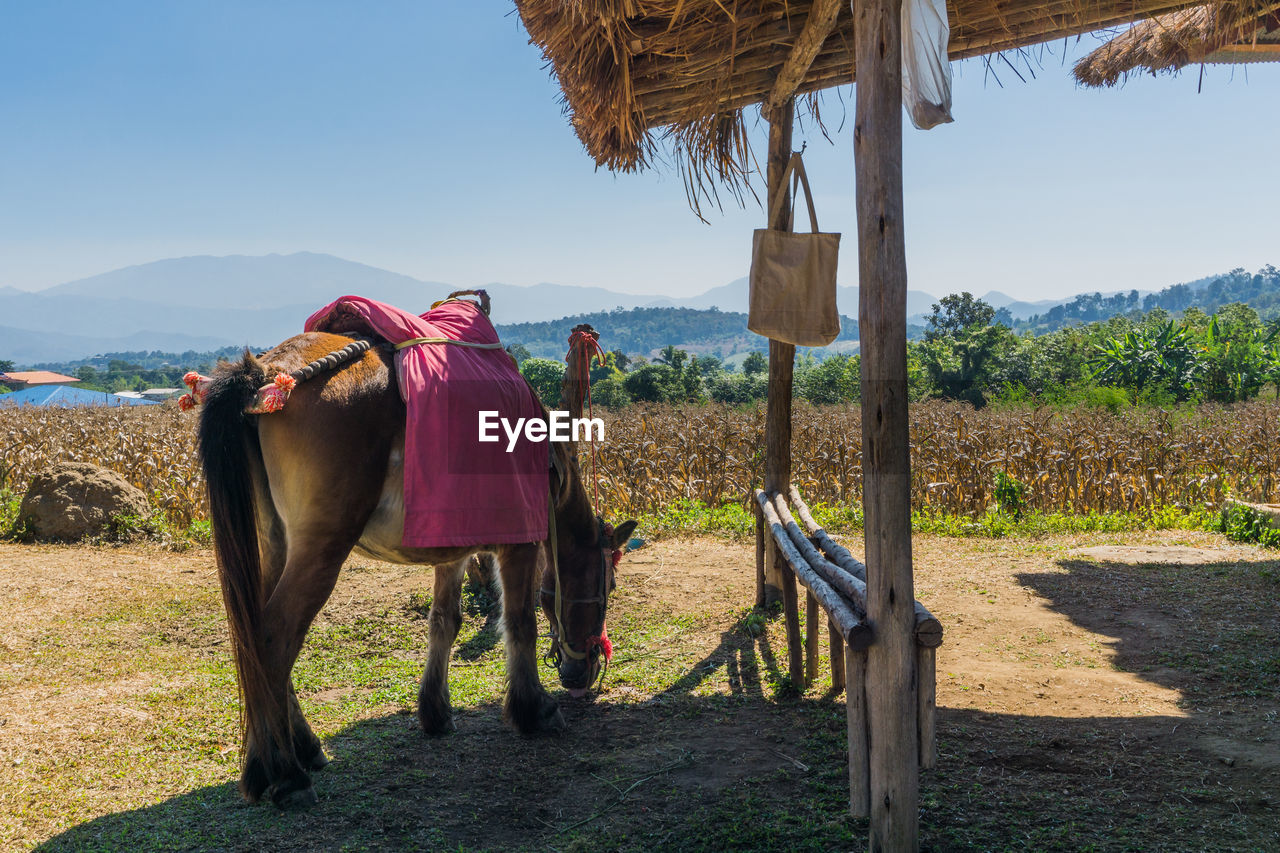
[(458, 490)]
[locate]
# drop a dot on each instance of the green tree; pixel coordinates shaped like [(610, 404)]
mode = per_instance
[(6, 366), (954, 314), (709, 366), (546, 377), (608, 369), (835, 379), (1165, 358), (1237, 359), (674, 357), (610, 392), (754, 363), (961, 348), (738, 390), (654, 383)]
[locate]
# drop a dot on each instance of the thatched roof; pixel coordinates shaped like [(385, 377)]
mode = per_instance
[(1229, 33), (629, 67)]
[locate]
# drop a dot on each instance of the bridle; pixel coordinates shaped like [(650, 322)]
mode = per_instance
[(560, 646)]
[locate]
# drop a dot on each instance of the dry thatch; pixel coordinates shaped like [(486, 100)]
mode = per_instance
[(629, 67), (1228, 32)]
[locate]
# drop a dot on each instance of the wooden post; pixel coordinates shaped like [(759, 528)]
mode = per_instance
[(927, 667), (761, 597), (855, 704), (777, 464), (882, 315), (811, 623), (837, 656), (781, 582), (791, 615)]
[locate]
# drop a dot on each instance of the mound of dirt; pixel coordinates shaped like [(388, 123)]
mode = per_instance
[(75, 500)]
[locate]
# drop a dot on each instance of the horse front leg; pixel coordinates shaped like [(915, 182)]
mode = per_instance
[(526, 704), (435, 712)]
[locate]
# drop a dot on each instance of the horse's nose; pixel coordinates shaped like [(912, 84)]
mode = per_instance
[(577, 674)]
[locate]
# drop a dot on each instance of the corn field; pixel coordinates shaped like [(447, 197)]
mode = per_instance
[(1085, 460), (153, 447), (1078, 461)]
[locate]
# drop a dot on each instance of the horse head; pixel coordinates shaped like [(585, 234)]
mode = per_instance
[(576, 584)]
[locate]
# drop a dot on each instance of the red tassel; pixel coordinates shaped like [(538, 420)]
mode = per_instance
[(606, 644)]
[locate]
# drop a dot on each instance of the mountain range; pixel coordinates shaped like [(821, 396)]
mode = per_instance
[(207, 302)]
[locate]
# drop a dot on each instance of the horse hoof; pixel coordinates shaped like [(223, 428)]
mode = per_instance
[(439, 728), (319, 761), (296, 800), (254, 781), (551, 720)]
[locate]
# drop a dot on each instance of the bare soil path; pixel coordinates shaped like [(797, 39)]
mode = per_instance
[(1109, 692)]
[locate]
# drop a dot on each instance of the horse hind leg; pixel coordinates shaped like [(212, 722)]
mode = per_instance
[(526, 705), (273, 551), (278, 765), (435, 712)]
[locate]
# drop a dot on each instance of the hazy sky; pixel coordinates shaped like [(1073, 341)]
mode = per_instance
[(428, 139)]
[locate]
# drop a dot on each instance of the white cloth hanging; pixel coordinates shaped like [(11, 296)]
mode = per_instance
[(926, 70)]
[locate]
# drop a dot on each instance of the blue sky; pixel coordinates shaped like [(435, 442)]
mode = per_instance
[(427, 138)]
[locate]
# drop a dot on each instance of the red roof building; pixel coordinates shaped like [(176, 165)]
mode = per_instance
[(19, 379)]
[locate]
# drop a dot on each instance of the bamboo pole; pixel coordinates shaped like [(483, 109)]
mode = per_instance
[(852, 588), (928, 628), (882, 321), (927, 669), (855, 705), (853, 629)]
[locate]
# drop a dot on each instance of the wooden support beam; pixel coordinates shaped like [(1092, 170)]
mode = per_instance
[(927, 667), (837, 656), (886, 460), (928, 628), (811, 623), (778, 585), (817, 26), (761, 574), (855, 705), (854, 630), (790, 611)]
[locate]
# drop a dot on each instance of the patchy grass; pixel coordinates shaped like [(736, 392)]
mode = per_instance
[(736, 523), (1083, 704)]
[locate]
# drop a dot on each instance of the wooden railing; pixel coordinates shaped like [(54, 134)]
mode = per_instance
[(837, 583)]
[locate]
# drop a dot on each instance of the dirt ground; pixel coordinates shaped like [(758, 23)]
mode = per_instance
[(1105, 692)]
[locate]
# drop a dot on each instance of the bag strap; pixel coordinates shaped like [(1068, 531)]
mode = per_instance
[(795, 171)]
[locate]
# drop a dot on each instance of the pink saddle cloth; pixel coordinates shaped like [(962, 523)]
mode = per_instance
[(458, 491)]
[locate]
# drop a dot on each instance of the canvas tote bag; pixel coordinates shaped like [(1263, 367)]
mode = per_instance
[(793, 276)]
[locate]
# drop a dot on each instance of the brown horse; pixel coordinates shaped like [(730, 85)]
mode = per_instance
[(291, 495)]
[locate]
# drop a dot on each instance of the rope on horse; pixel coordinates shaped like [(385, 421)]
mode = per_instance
[(272, 396), (333, 359)]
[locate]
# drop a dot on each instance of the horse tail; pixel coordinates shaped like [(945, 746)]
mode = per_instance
[(229, 454)]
